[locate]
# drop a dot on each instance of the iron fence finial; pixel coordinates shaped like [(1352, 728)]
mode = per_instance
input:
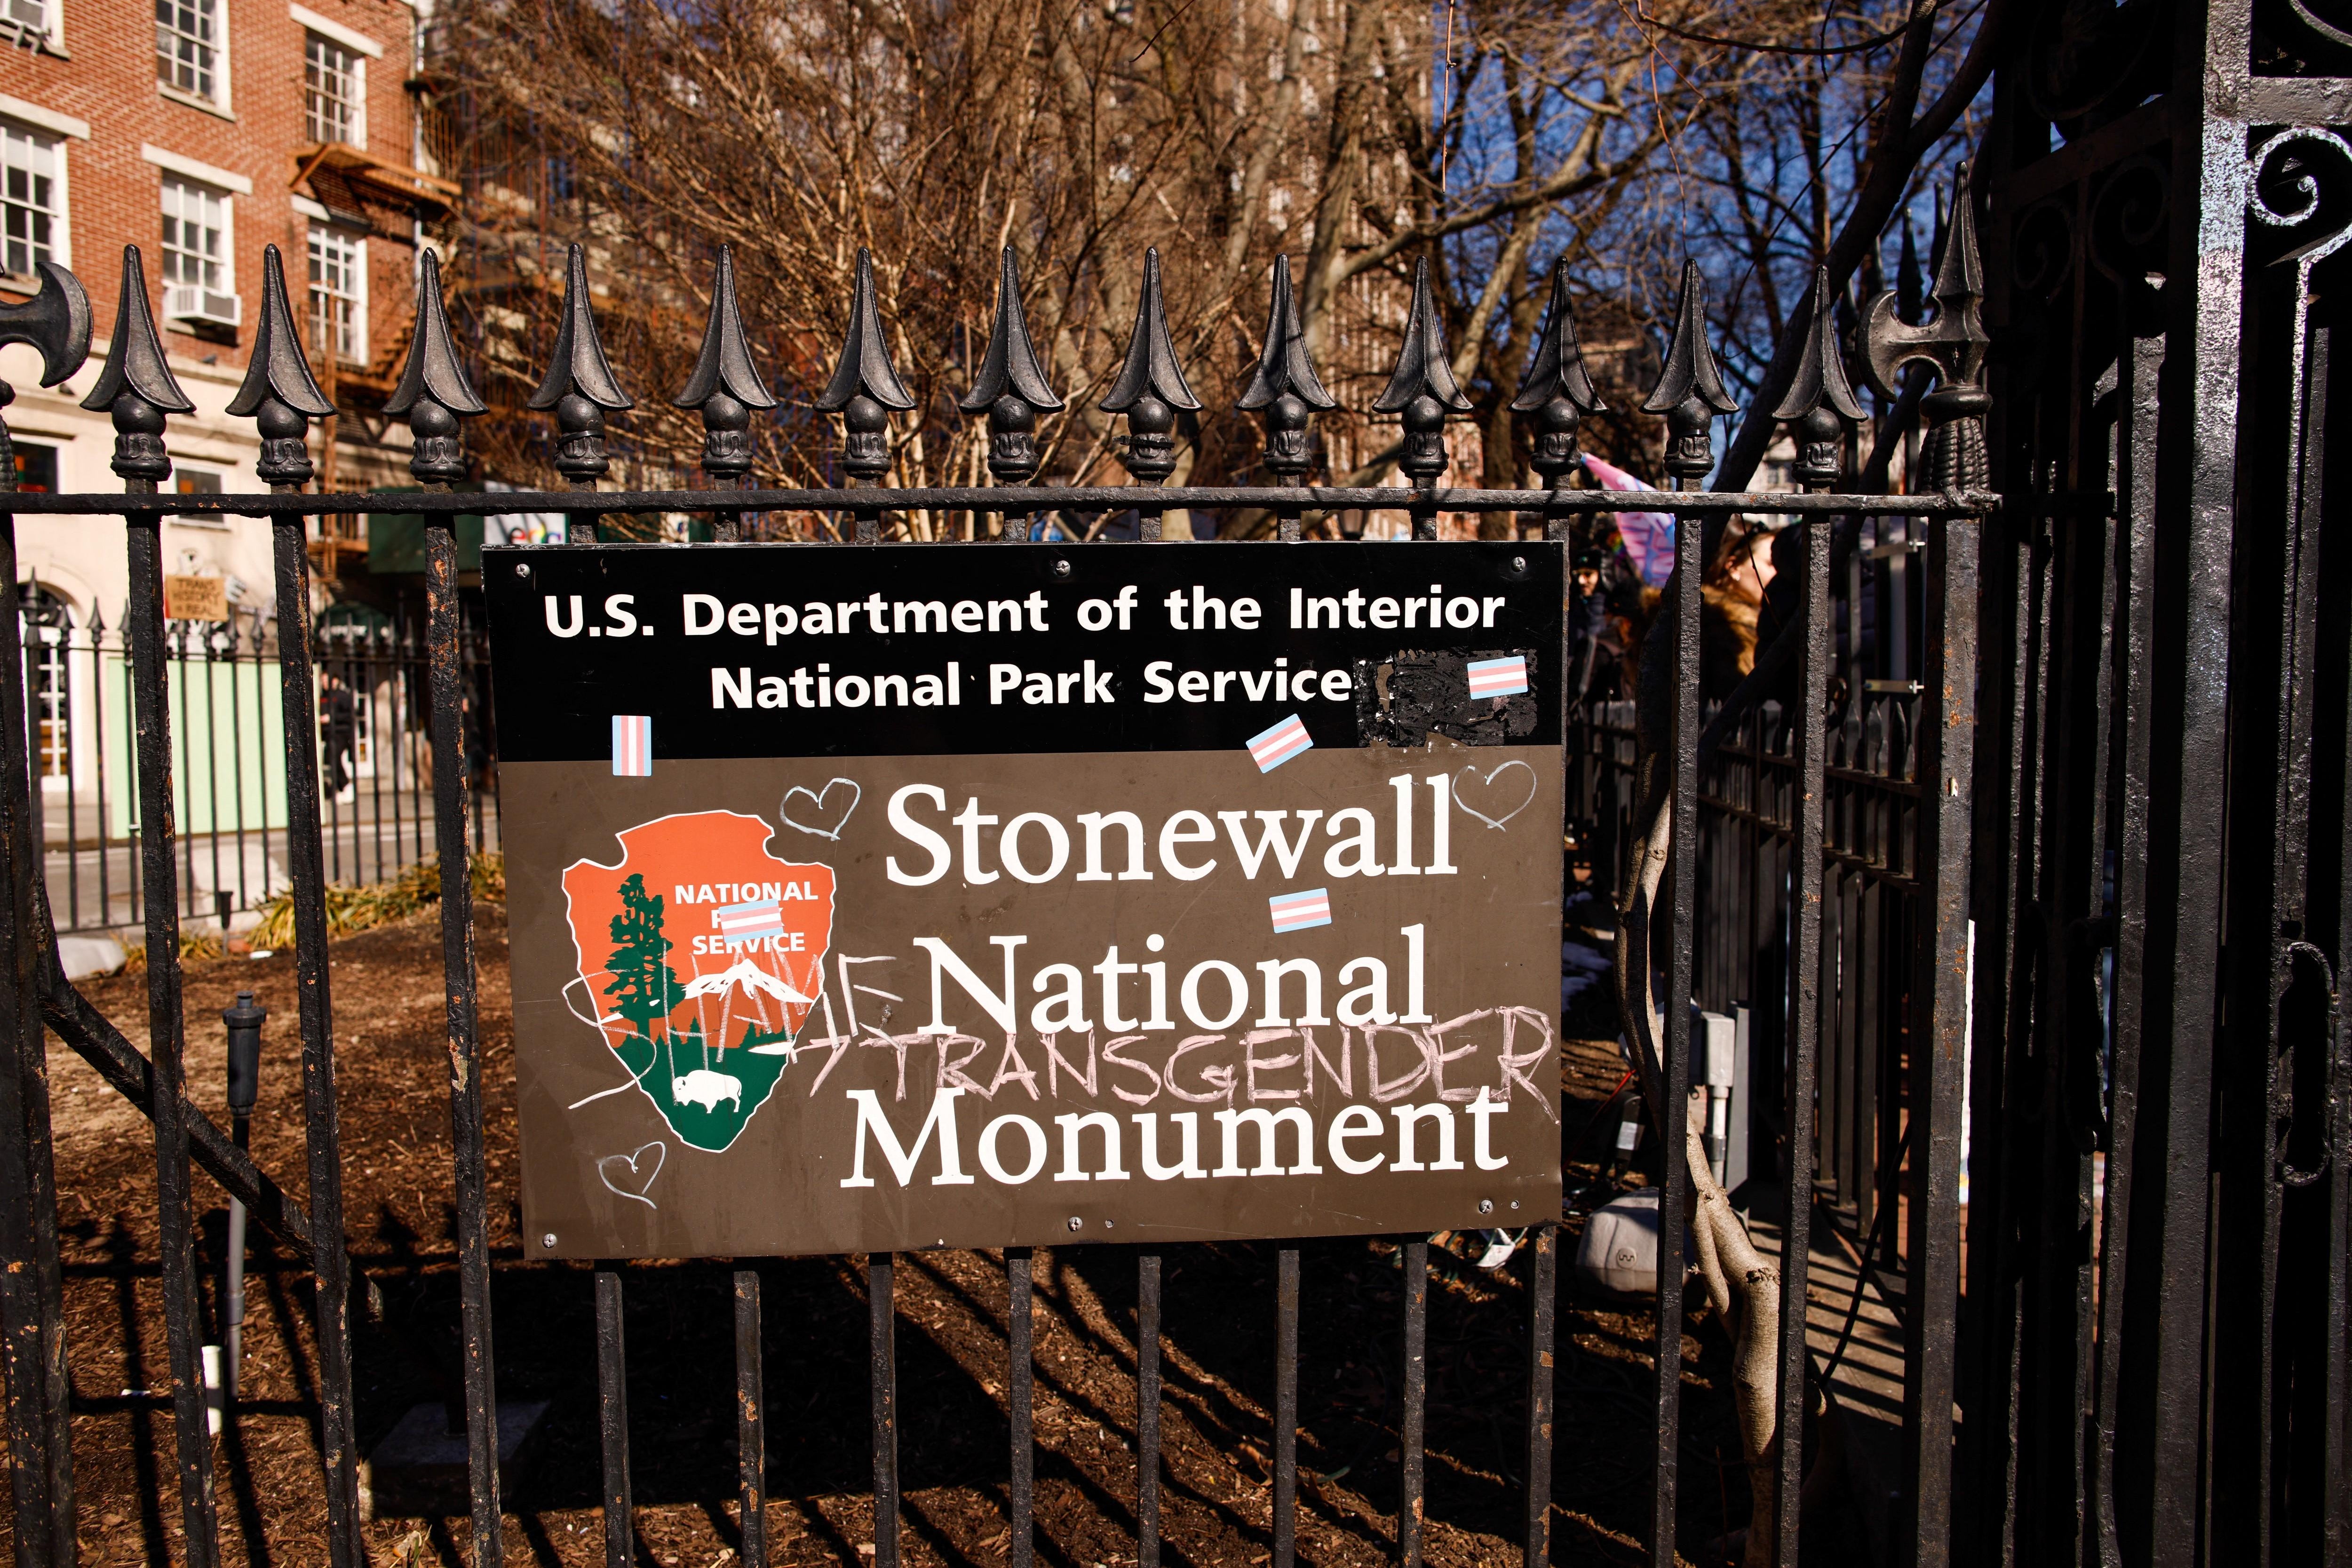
[(1151, 386), (579, 388), (55, 322), (1820, 402), (279, 395), (1284, 385), (725, 385), (1422, 387), (434, 390), (1953, 344), (1556, 388), (864, 384), (1690, 388), (1011, 385), (136, 387)]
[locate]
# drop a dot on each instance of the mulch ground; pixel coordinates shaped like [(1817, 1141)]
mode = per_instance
[(1219, 1361)]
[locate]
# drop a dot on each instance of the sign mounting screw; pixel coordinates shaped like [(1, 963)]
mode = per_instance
[(522, 568), (548, 1240)]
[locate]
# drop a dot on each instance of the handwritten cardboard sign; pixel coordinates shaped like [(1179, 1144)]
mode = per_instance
[(190, 598), (877, 897)]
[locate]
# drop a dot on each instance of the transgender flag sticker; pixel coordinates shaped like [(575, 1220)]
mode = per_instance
[(1296, 911), (1498, 677), (633, 746), (1276, 746)]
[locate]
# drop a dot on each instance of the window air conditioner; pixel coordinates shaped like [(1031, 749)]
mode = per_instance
[(194, 302)]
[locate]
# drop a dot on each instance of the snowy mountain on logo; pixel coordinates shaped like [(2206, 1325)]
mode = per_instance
[(744, 975)]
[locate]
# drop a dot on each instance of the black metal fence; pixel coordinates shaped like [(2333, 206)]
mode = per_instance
[(230, 758), (1977, 895)]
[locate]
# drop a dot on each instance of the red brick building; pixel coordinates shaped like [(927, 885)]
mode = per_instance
[(203, 131)]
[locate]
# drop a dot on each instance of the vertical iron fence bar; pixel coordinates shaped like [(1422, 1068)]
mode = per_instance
[(307, 870), (168, 1103), (183, 776), (882, 1357), (1413, 1502), (612, 1419), (1147, 1408), (244, 897), (73, 800), (1020, 1382), (31, 1306), (396, 683), (751, 1420), (1804, 971), (1286, 1402), (1673, 1113), (1543, 1297), (2132, 698), (1939, 999), (374, 665), (211, 770), (97, 769), (445, 650)]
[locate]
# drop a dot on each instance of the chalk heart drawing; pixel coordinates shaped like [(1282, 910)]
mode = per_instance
[(816, 816), (1487, 799), (632, 1175), (698, 946)]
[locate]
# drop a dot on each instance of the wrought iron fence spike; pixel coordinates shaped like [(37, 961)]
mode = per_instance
[(1010, 386), (1283, 364), (1422, 387), (1820, 402), (865, 386), (434, 389), (725, 385), (1011, 365), (1556, 388), (1953, 342), (54, 321), (579, 388), (1150, 386), (864, 368), (1284, 387), (279, 393), (136, 387), (1690, 388)]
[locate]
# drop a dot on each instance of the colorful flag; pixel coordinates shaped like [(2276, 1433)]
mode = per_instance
[(1649, 536), (1498, 677), (749, 922), (633, 746), (1296, 911), (1276, 746)]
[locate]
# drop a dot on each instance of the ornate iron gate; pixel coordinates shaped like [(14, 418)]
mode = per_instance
[(2116, 833)]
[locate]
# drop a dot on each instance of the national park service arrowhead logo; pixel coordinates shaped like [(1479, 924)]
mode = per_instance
[(700, 956)]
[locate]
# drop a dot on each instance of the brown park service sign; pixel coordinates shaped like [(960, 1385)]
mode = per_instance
[(1167, 916)]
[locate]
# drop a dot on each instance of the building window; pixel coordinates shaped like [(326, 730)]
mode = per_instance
[(195, 234), (30, 196), (334, 91), (187, 45), (26, 19), (339, 293)]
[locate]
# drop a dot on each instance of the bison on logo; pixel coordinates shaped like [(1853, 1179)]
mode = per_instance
[(700, 954)]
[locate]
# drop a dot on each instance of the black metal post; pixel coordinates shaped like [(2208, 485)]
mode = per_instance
[(751, 1420), (882, 1362), (612, 1419), (173, 1201), (1147, 1409), (31, 1284), (1542, 1251), (1285, 1405), (1412, 1500), (1020, 1382)]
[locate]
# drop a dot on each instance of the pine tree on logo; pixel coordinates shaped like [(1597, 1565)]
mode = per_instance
[(643, 983)]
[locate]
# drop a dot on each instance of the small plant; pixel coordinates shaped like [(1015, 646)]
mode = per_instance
[(351, 909)]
